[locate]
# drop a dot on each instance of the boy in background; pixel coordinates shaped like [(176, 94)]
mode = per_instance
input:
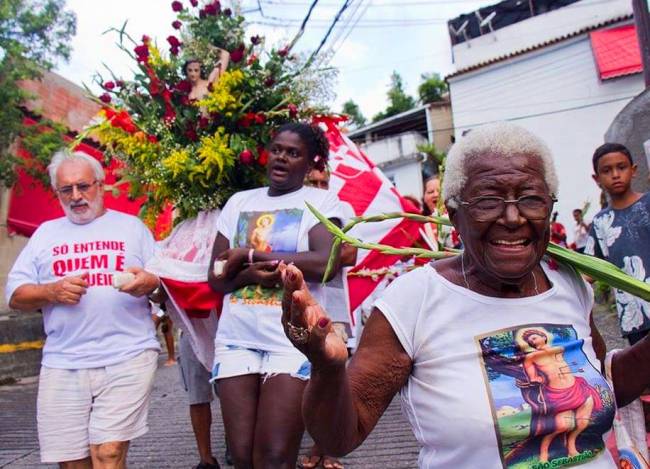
[(620, 233)]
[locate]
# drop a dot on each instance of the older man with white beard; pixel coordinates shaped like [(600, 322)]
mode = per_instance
[(101, 351)]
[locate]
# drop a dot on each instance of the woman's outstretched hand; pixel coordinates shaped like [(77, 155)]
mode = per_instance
[(306, 324)]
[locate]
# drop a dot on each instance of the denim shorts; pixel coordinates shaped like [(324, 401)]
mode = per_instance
[(232, 360)]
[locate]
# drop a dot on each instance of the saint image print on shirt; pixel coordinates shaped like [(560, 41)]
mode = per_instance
[(268, 231), (550, 405)]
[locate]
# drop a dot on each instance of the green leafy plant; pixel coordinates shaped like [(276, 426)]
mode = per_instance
[(597, 269)]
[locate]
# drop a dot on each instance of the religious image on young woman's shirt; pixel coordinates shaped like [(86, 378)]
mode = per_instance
[(550, 405), (268, 231)]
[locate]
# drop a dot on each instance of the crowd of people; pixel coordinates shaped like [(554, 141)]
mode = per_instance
[(458, 338)]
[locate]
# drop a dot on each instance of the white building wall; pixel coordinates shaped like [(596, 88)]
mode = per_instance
[(407, 175), (556, 93), (407, 178)]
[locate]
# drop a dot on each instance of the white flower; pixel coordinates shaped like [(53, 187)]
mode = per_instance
[(605, 232), (632, 310)]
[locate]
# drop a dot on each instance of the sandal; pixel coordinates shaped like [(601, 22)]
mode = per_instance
[(309, 462), (332, 463)]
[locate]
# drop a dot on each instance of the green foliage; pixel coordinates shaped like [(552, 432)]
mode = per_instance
[(431, 88), (33, 35), (354, 112), (398, 100)]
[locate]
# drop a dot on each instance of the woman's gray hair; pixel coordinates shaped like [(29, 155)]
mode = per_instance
[(66, 155), (501, 139)]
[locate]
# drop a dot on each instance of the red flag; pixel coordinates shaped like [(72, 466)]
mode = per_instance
[(360, 183)]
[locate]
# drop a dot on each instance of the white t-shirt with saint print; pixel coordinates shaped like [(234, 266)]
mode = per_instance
[(106, 326), (474, 397), (251, 316)]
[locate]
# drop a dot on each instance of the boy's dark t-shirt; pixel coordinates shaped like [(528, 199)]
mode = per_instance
[(622, 237)]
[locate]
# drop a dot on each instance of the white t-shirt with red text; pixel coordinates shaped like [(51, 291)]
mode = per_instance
[(106, 326)]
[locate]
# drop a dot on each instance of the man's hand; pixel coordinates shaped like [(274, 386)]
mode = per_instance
[(143, 283), (68, 290)]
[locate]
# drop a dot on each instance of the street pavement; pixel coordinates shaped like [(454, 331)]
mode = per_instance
[(170, 442)]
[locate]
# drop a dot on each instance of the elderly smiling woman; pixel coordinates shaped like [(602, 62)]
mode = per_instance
[(493, 351)]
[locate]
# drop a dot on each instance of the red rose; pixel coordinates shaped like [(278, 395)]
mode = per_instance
[(260, 118), (109, 85), (269, 82), (105, 98), (256, 40), (202, 13), (170, 115), (156, 87), (184, 101), (142, 53), (177, 24), (293, 110), (173, 41), (191, 135), (251, 59), (146, 39), (203, 122), (237, 54), (174, 50), (263, 157), (152, 138), (194, 2), (283, 52), (213, 9), (246, 157), (177, 6), (184, 86)]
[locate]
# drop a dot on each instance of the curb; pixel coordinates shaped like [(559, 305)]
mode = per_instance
[(21, 344)]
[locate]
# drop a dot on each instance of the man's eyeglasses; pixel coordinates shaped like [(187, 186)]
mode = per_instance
[(82, 188), (490, 208)]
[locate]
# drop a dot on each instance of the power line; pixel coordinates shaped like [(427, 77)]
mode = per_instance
[(304, 23), (345, 5), (538, 114)]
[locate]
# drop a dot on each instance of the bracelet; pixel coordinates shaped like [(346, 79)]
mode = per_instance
[(251, 251)]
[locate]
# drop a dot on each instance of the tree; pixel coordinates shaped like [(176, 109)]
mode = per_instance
[(352, 109), (431, 88), (34, 34), (398, 100)]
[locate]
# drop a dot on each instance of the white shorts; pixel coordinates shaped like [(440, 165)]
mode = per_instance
[(78, 408), (232, 360)]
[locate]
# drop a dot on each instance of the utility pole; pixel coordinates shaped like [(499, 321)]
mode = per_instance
[(641, 10)]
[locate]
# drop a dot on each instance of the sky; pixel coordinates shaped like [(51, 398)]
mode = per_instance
[(371, 40)]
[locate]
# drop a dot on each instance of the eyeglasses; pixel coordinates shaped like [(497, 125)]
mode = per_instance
[(82, 188), (490, 208)]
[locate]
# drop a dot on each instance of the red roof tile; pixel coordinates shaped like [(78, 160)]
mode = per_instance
[(616, 51)]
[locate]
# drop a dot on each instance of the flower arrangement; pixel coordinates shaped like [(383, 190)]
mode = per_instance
[(194, 153)]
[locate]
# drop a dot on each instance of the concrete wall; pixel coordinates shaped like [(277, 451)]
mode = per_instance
[(10, 247), (556, 93), (441, 124), (539, 29)]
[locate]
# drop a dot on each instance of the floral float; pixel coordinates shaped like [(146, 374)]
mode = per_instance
[(190, 151)]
